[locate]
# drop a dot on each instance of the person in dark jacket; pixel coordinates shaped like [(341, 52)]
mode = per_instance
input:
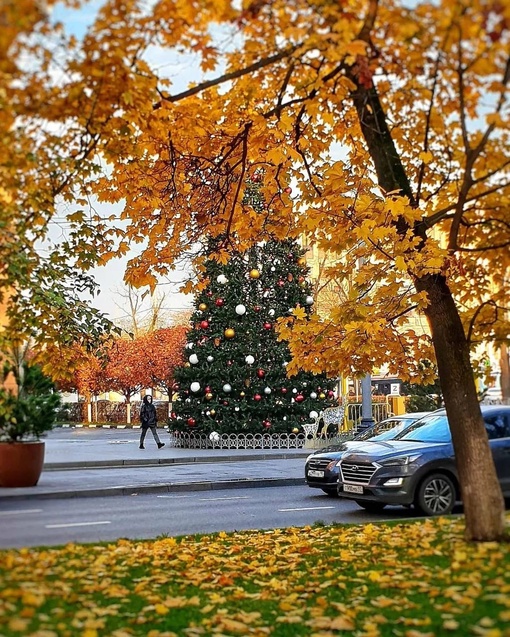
[(149, 420)]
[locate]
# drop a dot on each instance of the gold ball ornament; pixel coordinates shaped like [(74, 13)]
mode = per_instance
[(208, 396), (254, 274), (229, 333), (301, 261), (202, 307), (295, 430), (187, 364), (242, 394), (213, 412), (322, 395)]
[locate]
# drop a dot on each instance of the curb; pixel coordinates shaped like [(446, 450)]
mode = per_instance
[(148, 462), (243, 483)]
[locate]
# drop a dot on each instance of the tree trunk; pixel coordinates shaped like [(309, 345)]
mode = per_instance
[(483, 501), (504, 366), (481, 494)]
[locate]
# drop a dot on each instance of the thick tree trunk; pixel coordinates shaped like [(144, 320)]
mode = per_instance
[(481, 493), (504, 366)]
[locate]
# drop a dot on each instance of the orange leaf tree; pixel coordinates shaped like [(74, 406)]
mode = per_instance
[(389, 124)]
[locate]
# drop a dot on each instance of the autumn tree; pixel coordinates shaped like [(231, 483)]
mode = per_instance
[(126, 370), (415, 204), (163, 353)]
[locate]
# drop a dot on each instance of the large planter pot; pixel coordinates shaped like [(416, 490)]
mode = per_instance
[(21, 463)]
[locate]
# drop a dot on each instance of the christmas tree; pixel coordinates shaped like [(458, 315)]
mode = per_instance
[(234, 379)]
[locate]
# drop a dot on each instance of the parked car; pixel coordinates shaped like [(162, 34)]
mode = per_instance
[(418, 466), (321, 470)]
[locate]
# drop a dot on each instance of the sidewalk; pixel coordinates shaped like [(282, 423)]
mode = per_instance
[(103, 462)]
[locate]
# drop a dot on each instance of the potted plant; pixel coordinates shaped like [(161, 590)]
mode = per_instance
[(25, 416)]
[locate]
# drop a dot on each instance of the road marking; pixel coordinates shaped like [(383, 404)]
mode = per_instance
[(306, 509), (173, 497), (238, 497), (64, 526), (20, 511)]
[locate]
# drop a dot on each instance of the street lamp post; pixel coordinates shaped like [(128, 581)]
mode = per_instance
[(366, 403)]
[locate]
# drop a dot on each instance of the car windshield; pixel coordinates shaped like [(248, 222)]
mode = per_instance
[(428, 429), (389, 434)]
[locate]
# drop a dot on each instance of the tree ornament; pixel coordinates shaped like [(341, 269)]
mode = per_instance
[(230, 363), (273, 269), (313, 415), (189, 345), (267, 390), (284, 390), (240, 309), (202, 307), (322, 395), (195, 387), (294, 390), (281, 283), (219, 302), (309, 300), (256, 308), (193, 359), (209, 293), (236, 408), (207, 389), (266, 424), (222, 279), (247, 382), (187, 365), (225, 402), (271, 312), (242, 394), (295, 430), (204, 324), (267, 326), (191, 422), (229, 333), (301, 261), (227, 388), (210, 359), (303, 284), (214, 436), (208, 396), (250, 359), (331, 393), (257, 397), (213, 412), (261, 373), (300, 398), (313, 395), (254, 274)]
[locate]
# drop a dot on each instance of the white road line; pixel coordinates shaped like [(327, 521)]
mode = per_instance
[(64, 526), (173, 497), (20, 511), (239, 497), (306, 509)]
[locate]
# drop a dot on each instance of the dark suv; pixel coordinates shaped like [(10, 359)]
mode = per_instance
[(418, 466)]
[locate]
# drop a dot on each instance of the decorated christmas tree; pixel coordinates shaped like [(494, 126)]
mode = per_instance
[(234, 379)]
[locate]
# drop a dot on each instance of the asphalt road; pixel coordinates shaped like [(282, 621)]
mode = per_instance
[(54, 522)]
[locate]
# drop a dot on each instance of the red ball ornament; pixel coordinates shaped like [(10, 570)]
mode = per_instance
[(207, 389), (204, 324), (173, 415), (229, 363), (331, 393), (284, 390), (281, 283), (257, 397), (267, 326), (209, 293), (257, 308), (266, 424), (300, 398), (219, 302), (191, 422), (225, 402), (261, 373)]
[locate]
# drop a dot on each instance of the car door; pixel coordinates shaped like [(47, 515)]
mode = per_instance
[(497, 425)]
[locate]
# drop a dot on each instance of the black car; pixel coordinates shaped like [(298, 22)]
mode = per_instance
[(321, 470), (418, 466)]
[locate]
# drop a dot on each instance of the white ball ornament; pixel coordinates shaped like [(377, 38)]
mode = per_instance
[(227, 388), (249, 359), (210, 359), (313, 395), (240, 309), (214, 436), (313, 415), (222, 279), (236, 408), (195, 387), (193, 359), (294, 391), (267, 390), (189, 345), (271, 312), (309, 300)]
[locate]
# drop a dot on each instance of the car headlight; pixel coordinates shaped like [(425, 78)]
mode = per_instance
[(400, 461), (332, 465)]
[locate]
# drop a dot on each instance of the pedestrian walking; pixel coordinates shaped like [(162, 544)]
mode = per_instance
[(149, 420)]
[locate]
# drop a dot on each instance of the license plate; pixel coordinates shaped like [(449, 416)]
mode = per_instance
[(353, 488), (313, 473)]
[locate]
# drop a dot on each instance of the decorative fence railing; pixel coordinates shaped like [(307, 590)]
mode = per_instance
[(194, 440)]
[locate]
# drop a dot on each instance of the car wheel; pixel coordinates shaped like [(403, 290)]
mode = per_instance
[(333, 493), (371, 507), (436, 495)]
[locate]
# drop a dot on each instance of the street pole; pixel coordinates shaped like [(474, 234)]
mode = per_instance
[(366, 403)]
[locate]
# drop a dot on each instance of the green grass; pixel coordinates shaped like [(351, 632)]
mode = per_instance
[(399, 579)]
